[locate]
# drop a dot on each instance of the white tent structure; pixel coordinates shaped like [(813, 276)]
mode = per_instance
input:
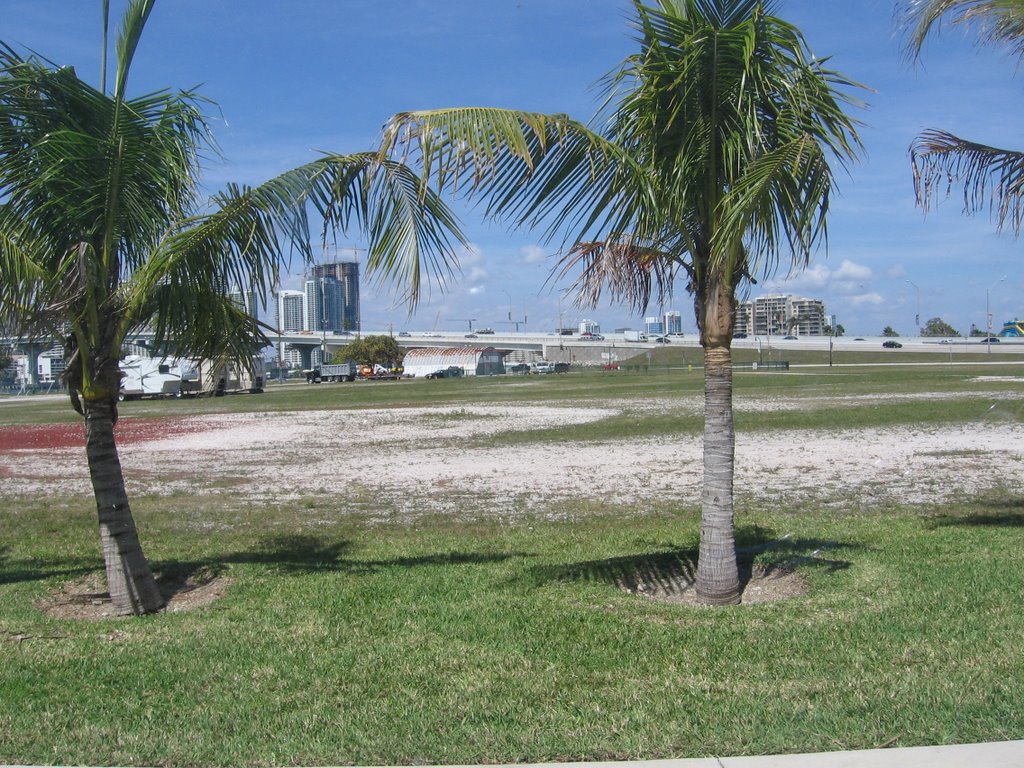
[(474, 361)]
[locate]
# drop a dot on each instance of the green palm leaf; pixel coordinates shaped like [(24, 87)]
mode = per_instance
[(994, 21), (991, 178)]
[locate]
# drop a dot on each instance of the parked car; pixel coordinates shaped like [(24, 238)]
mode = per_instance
[(739, 335), (892, 344), (451, 372), (562, 367)]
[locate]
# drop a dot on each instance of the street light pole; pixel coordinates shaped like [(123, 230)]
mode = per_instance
[(988, 311), (917, 317), (831, 340)]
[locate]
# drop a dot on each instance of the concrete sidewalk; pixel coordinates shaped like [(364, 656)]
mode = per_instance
[(1000, 754)]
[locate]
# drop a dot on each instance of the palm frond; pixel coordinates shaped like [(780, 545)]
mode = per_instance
[(22, 300), (251, 234), (778, 205), (725, 103), (993, 21), (132, 24), (621, 270), (89, 171), (991, 178), (523, 167)]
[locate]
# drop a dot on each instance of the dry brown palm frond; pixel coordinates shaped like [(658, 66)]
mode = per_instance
[(630, 272)]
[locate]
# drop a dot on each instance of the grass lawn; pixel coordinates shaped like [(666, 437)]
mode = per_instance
[(343, 639)]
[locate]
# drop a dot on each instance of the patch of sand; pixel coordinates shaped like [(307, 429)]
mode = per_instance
[(416, 461)]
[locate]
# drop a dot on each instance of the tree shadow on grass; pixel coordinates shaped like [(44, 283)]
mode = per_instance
[(995, 511), (14, 571), (980, 520), (673, 569), (294, 554), (305, 554)]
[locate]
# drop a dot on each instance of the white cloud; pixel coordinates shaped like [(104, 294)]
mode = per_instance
[(476, 290), (469, 255), (533, 254), (896, 271), (812, 278), (848, 270), (866, 298), (848, 278)]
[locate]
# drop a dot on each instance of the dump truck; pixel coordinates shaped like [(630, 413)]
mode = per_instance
[(346, 371)]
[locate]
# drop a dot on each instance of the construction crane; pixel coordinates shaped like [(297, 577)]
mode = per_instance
[(514, 322)]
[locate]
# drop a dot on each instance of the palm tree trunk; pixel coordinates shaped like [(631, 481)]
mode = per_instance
[(129, 579), (718, 580)]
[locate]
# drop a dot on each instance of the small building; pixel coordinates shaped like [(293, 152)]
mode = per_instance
[(474, 361)]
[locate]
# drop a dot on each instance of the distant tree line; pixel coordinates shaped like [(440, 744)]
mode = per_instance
[(938, 327)]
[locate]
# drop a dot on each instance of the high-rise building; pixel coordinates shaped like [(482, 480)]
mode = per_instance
[(245, 299), (346, 273), (780, 315), (654, 326), (324, 305), (807, 316), (291, 311), (589, 326), (673, 322)]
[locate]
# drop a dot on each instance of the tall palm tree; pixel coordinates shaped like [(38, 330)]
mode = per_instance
[(102, 232), (991, 177), (709, 161)]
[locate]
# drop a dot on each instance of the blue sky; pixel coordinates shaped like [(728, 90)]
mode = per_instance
[(294, 77)]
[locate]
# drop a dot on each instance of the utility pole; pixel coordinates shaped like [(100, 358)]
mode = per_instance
[(917, 317), (988, 312)]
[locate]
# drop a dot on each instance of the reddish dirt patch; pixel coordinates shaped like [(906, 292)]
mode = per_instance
[(35, 437)]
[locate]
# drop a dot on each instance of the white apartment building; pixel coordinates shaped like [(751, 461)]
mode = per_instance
[(291, 311), (781, 315)]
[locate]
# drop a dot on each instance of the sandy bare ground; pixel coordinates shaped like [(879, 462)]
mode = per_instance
[(415, 461)]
